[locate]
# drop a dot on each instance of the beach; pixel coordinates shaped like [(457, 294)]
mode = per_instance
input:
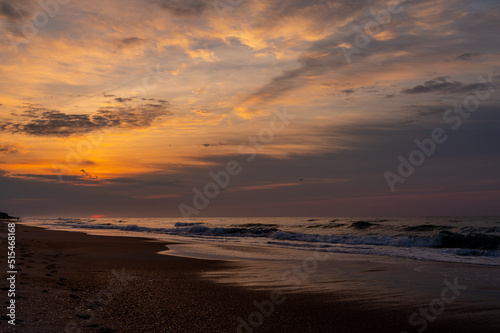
[(74, 282)]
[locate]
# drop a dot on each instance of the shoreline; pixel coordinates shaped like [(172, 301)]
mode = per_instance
[(71, 280)]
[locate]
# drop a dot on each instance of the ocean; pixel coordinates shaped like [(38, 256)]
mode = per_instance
[(473, 240)]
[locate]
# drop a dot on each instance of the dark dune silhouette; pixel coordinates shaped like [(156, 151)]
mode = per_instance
[(5, 216)]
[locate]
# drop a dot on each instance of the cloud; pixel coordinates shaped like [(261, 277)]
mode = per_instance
[(204, 54), (212, 144), (9, 149), (47, 177), (424, 111), (123, 100), (131, 41), (153, 179), (468, 56), (88, 163), (83, 179), (348, 91), (56, 123), (8, 11), (323, 56), (416, 37), (157, 196), (279, 85), (440, 85), (183, 7), (14, 13), (271, 186)]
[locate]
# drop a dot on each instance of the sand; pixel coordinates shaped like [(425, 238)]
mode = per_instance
[(82, 283)]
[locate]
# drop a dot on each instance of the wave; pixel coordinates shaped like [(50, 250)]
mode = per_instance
[(326, 226), (470, 229), (181, 229), (449, 239), (185, 224), (401, 241), (362, 225), (464, 244), (473, 252), (448, 255), (253, 225), (427, 227)]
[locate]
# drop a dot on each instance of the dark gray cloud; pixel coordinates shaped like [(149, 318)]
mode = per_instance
[(32, 113), (48, 177), (348, 91), (424, 111), (440, 85), (184, 7), (9, 149), (157, 179), (88, 163), (14, 13), (212, 144), (468, 56), (55, 123), (131, 41), (123, 100), (9, 10), (279, 85)]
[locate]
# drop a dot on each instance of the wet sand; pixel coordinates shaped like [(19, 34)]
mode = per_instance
[(74, 282)]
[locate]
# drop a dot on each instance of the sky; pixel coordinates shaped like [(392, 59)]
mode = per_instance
[(170, 108)]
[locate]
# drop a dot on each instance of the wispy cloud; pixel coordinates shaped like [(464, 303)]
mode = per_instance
[(468, 56), (300, 182), (440, 85), (157, 196), (9, 9), (10, 148), (183, 7), (131, 41)]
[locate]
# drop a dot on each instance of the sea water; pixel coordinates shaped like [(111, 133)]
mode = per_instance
[(474, 240)]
